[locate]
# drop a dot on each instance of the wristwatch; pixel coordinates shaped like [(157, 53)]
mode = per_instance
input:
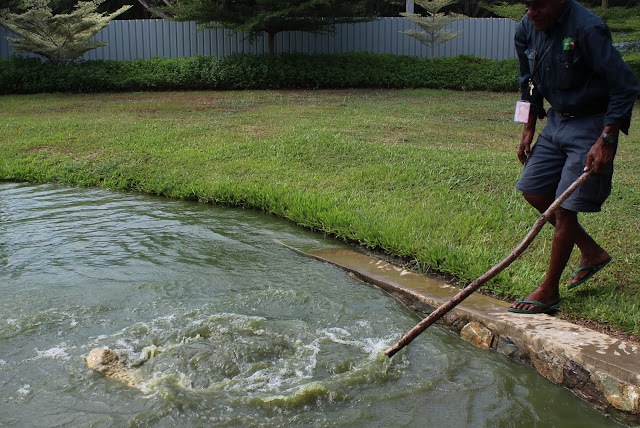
[(610, 138)]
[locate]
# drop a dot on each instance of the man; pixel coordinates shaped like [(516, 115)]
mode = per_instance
[(566, 56)]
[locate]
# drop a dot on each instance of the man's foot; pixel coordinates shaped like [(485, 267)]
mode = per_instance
[(541, 308), (588, 268), (545, 297)]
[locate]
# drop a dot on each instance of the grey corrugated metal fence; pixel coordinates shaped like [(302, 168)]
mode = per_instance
[(142, 39)]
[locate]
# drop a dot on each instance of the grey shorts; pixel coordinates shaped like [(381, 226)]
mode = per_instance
[(558, 159)]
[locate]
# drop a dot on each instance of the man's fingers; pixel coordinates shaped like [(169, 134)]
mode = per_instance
[(590, 164), (524, 151), (522, 156)]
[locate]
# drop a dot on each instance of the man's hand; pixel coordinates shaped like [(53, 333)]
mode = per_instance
[(602, 154), (599, 156), (524, 150)]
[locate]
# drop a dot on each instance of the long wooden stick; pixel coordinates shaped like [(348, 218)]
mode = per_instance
[(469, 289)]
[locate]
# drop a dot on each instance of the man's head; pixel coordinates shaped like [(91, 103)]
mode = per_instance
[(543, 13)]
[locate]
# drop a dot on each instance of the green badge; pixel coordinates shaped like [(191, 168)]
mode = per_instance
[(568, 44)]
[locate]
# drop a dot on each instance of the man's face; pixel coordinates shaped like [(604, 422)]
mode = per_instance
[(543, 13)]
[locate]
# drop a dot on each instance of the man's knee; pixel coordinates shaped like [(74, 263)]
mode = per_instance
[(565, 217), (539, 202)]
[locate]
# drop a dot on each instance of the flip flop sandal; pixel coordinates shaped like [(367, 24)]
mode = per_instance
[(544, 309), (593, 269)]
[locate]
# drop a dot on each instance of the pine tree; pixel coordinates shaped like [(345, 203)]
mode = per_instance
[(503, 9), (433, 24), (270, 16), (59, 38)]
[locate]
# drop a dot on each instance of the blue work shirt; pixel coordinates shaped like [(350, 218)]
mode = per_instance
[(581, 73)]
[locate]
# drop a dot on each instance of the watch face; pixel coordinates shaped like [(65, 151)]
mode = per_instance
[(609, 139)]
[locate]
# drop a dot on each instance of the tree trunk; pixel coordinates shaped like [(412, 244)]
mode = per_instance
[(605, 4), (409, 6), (149, 8)]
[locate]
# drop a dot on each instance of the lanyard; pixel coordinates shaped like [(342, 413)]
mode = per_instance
[(536, 64)]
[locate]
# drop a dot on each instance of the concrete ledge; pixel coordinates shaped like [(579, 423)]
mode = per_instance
[(598, 368)]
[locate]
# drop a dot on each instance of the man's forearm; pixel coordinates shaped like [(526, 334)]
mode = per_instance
[(612, 128), (530, 126)]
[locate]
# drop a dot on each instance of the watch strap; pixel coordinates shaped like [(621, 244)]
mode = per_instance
[(610, 138)]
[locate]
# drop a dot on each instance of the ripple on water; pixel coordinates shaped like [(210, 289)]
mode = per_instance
[(221, 327)]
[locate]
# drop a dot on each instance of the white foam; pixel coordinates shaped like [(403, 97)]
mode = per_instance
[(123, 346), (52, 353), (369, 345), (167, 317), (25, 390), (286, 373)]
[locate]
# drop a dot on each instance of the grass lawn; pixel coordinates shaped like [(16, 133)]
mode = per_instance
[(425, 175)]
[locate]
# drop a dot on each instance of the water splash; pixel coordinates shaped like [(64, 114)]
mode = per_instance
[(221, 327)]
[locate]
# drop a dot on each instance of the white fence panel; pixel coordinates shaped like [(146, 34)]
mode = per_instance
[(143, 39)]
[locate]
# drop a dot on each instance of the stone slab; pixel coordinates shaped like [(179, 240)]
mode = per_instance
[(598, 368)]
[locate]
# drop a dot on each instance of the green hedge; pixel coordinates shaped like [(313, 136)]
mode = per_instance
[(633, 60), (242, 71)]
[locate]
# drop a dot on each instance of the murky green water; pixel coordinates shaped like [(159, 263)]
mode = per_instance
[(222, 327)]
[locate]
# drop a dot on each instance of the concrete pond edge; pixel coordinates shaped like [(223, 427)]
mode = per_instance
[(600, 369)]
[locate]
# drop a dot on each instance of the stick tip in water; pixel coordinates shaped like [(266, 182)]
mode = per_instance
[(392, 351)]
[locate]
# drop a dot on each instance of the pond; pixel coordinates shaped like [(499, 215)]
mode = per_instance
[(223, 327)]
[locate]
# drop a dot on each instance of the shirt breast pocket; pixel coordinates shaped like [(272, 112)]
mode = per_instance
[(570, 70), (531, 56)]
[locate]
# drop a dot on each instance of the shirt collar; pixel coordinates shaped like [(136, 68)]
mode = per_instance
[(564, 16)]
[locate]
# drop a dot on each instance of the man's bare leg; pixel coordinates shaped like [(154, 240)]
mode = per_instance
[(592, 253), (567, 233)]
